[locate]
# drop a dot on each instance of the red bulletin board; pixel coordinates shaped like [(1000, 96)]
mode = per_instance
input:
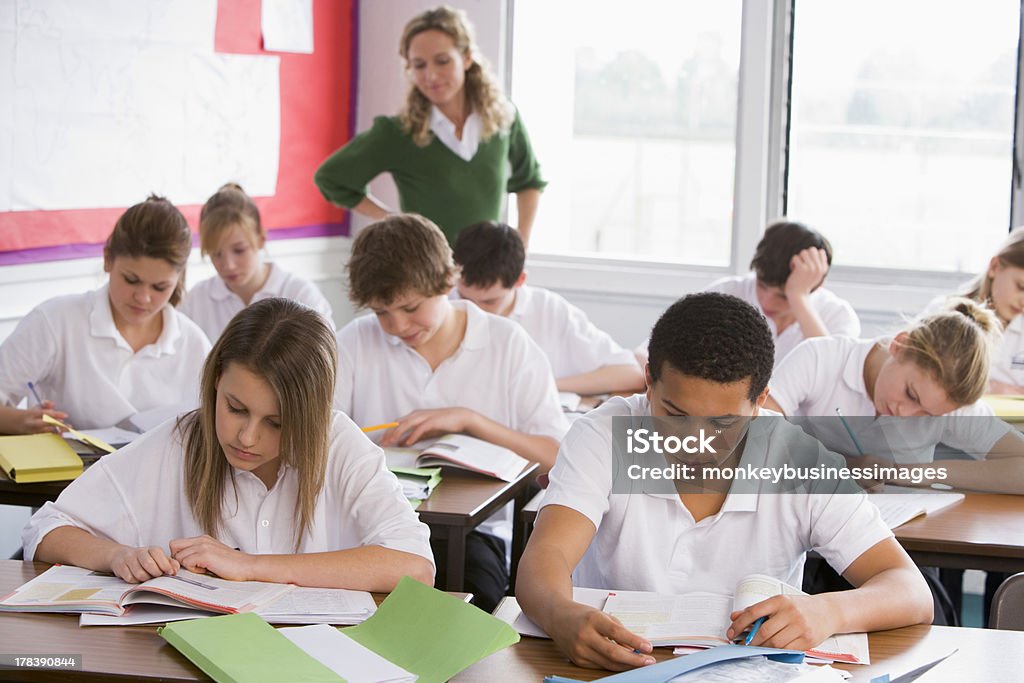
[(317, 113)]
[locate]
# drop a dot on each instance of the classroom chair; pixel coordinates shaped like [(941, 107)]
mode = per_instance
[(1008, 605)]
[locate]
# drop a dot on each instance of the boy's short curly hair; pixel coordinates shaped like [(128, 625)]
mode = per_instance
[(716, 337), (782, 241), (401, 253)]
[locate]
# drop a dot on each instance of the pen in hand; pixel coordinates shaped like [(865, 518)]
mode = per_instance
[(32, 388), (753, 631)]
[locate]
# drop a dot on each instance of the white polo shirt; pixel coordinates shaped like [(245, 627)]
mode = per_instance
[(572, 343), (497, 371), (212, 305), (826, 373), (136, 496), (837, 315), (70, 348), (1008, 355), (650, 542)]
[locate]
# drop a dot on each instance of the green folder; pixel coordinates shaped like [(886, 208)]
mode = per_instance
[(243, 647), (429, 633)]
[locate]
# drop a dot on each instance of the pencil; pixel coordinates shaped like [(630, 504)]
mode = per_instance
[(386, 425), (860, 451)]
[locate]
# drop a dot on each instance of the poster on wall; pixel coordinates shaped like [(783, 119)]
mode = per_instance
[(113, 101)]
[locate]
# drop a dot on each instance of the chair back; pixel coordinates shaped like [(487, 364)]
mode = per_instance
[(1008, 605)]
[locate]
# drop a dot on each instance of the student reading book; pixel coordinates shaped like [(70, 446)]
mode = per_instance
[(263, 482), (710, 360), (104, 355), (232, 235), (438, 367), (585, 360)]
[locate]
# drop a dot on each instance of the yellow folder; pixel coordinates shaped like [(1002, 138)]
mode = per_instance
[(38, 457), (1010, 407)]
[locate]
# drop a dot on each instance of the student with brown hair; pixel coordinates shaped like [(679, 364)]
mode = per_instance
[(263, 482), (438, 366), (586, 360), (232, 235), (104, 355)]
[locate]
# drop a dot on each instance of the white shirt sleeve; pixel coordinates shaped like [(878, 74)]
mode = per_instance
[(345, 381), (844, 526), (974, 429), (589, 347), (370, 497), (841, 320), (27, 354), (532, 390), (582, 476), (795, 377)]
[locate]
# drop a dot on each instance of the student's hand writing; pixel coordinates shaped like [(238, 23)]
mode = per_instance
[(203, 553), (595, 640), (807, 269), (32, 418), (423, 424), (794, 622), (136, 565)]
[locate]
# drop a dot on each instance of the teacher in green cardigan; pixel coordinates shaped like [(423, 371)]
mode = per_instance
[(456, 148)]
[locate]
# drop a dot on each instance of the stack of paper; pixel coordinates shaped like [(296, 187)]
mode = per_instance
[(900, 504), (417, 482)]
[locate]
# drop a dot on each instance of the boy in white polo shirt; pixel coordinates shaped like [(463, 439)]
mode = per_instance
[(710, 355), (438, 366), (585, 360)]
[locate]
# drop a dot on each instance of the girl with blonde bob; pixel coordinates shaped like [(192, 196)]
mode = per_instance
[(232, 235), (263, 482), (105, 355), (457, 145), (935, 370)]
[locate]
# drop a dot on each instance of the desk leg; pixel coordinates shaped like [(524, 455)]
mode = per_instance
[(456, 559), (520, 535)]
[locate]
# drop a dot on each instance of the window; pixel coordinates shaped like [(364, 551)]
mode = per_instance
[(901, 133), (632, 112)]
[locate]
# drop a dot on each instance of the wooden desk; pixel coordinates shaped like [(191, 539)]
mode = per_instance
[(984, 531), (137, 652), (984, 655), (459, 503)]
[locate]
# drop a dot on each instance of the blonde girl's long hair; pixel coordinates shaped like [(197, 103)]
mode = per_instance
[(483, 93), (1011, 253), (954, 346), (293, 350)]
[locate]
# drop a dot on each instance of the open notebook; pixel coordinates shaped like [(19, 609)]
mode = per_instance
[(900, 504), (699, 620)]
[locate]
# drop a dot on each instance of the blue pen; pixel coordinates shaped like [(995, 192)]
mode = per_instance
[(32, 388), (860, 451), (753, 631)]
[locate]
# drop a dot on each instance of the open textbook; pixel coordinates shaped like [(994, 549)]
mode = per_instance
[(697, 619), (107, 600), (900, 504), (702, 619), (465, 452)]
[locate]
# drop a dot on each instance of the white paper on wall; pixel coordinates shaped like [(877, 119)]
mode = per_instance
[(287, 25), (117, 99)]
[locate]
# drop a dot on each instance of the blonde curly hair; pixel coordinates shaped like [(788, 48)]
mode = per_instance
[(483, 93)]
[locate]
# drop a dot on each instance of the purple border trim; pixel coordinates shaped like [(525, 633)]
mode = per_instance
[(66, 252)]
